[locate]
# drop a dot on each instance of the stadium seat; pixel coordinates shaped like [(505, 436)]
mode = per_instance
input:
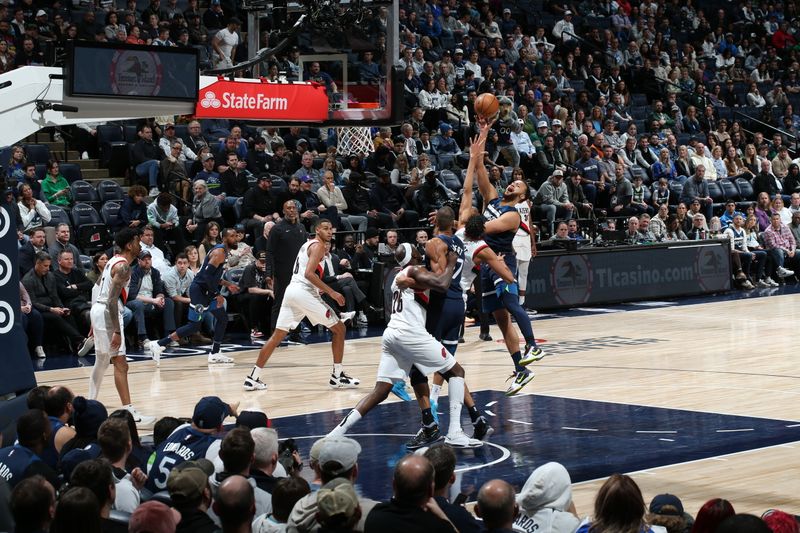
[(730, 190), (37, 153), (82, 191), (717, 196), (58, 216), (675, 190), (113, 148), (745, 189), (237, 209), (110, 213), (71, 171), (92, 234), (85, 262), (108, 190), (450, 180), (279, 185)]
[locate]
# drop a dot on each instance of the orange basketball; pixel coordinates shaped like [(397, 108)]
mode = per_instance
[(486, 105)]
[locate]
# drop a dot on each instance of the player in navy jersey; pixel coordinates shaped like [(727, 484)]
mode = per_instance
[(204, 293), (500, 297)]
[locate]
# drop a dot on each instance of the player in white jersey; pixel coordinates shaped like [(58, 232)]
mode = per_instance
[(303, 300), (406, 343), (524, 246), (106, 318)]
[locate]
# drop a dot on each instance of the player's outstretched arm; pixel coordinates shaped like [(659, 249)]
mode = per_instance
[(487, 255), (486, 188), (476, 154)]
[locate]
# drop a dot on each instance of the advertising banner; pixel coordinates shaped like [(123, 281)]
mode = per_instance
[(608, 275), (298, 102)]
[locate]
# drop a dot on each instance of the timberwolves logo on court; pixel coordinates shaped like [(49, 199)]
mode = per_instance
[(711, 266), (571, 278), (136, 73)]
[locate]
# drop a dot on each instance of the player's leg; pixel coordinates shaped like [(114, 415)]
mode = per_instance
[(522, 376), (429, 432), (288, 317), (220, 315), (101, 362), (455, 391), (320, 313), (364, 406), (508, 297), (121, 379), (522, 279)]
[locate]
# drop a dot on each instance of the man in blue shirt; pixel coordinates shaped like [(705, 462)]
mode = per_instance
[(23, 460)]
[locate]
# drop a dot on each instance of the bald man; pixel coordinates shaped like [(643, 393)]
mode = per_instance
[(497, 506), (412, 507), (235, 504)]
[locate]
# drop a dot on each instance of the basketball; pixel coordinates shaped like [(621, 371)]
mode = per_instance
[(486, 105)]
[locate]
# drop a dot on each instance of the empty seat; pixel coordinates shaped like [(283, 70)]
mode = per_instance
[(108, 190), (745, 189), (82, 191), (92, 235), (71, 171), (57, 216), (110, 213), (37, 153), (730, 190)]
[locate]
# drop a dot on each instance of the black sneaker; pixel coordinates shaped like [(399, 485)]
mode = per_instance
[(424, 437), (485, 337), (482, 429)]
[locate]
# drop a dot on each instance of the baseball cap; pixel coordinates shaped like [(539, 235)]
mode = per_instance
[(301, 141), (558, 173), (506, 10), (337, 497), (187, 480), (239, 228), (556, 122), (342, 450), (567, 12), (265, 177), (169, 125), (666, 504), (206, 157), (458, 51), (144, 253), (254, 418), (210, 412), (154, 517), (370, 233), (41, 13), (542, 124), (306, 179)]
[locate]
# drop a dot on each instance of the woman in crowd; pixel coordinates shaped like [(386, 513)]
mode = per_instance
[(194, 258), (6, 57), (331, 196), (684, 165), (401, 173), (711, 515), (779, 208), (211, 238), (55, 186), (735, 167), (15, 168), (754, 98), (664, 167), (674, 231), (113, 27), (33, 212), (98, 265), (619, 507), (334, 167), (205, 209)]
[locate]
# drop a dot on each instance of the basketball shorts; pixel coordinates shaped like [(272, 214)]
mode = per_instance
[(444, 320), (299, 303), (102, 337), (200, 303), (400, 349), (489, 281)]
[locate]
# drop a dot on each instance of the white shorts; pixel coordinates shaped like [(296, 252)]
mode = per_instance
[(401, 349), (522, 273), (522, 247), (102, 337), (299, 303)]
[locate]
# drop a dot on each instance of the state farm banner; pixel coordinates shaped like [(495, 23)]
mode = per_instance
[(306, 102)]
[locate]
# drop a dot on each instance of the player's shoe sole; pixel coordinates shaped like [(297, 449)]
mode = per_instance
[(86, 346), (520, 380), (461, 440), (399, 390), (251, 384)]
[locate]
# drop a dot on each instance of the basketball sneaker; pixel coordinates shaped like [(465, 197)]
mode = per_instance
[(531, 354), (343, 381), (482, 430), (347, 316), (424, 437), (784, 272), (399, 390), (139, 418), (762, 284), (86, 346), (155, 350), (520, 380), (218, 358), (251, 384), (459, 439)]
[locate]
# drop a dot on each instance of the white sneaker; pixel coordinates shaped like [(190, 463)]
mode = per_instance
[(347, 317), (174, 344), (762, 284), (251, 384), (362, 318), (154, 192), (86, 346), (155, 350), (139, 418), (461, 440), (772, 282), (784, 272), (40, 352), (343, 381), (215, 358), (85, 155)]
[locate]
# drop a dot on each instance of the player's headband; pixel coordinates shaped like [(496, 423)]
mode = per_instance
[(407, 257)]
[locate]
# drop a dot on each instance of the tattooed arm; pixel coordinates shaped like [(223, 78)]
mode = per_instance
[(120, 276)]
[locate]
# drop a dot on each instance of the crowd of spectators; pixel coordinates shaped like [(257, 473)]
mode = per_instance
[(77, 468)]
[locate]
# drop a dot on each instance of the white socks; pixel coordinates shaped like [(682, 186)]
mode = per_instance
[(337, 369), (435, 390), (455, 392), (98, 371), (346, 423), (256, 372)]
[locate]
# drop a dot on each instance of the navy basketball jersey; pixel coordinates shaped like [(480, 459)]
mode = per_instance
[(14, 461), (184, 444), (455, 246), (502, 242), (209, 275)]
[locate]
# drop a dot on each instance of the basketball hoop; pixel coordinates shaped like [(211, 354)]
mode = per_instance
[(354, 140)]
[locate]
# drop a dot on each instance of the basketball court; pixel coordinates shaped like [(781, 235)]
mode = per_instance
[(696, 397)]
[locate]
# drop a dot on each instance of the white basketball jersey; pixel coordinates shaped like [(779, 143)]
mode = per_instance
[(300, 264), (105, 281), (471, 249), (409, 307), (524, 210)]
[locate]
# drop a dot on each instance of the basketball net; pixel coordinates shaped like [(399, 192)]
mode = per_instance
[(354, 140)]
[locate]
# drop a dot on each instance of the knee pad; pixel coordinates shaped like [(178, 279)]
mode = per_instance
[(417, 377)]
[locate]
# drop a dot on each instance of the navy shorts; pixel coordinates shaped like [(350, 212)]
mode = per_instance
[(444, 321), (489, 281)]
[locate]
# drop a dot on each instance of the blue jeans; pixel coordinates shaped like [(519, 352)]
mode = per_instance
[(150, 169), (139, 309)]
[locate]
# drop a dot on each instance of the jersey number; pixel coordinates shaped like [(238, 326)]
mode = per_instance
[(457, 271), (296, 265), (164, 468), (397, 302)]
